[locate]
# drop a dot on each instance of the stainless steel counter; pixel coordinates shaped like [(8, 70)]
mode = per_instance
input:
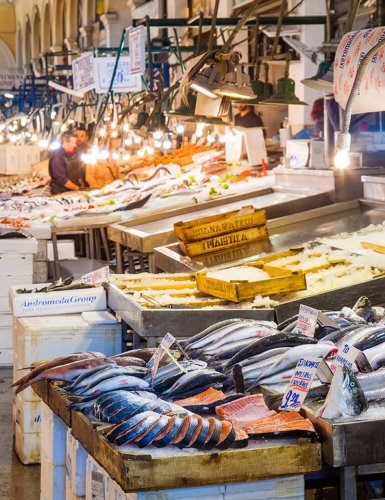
[(285, 232)]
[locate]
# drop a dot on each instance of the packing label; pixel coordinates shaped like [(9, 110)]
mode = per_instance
[(101, 275), (346, 356), (300, 383)]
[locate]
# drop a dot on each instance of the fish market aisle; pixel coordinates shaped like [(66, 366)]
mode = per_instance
[(17, 481)]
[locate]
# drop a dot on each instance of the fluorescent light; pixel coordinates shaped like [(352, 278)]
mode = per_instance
[(9, 96), (203, 90)]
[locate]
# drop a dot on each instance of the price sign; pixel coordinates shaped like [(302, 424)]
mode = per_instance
[(83, 72), (162, 350), (137, 45), (307, 320), (346, 356), (101, 275), (124, 80), (300, 383)]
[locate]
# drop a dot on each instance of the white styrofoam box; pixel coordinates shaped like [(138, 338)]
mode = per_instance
[(70, 495), (27, 446), (5, 319), (8, 281), (292, 488), (96, 481), (52, 480), (66, 250), (9, 159), (53, 303), (27, 414), (16, 264), (4, 305), (18, 245), (76, 458), (28, 156), (6, 341), (6, 357), (53, 436)]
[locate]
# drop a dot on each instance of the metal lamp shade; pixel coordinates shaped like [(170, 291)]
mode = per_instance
[(285, 93), (182, 109), (323, 80), (141, 120), (159, 123), (206, 82)]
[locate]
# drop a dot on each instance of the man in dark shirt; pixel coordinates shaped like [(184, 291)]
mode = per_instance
[(247, 117), (64, 166)]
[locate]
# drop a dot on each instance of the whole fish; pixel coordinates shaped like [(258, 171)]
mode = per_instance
[(263, 356), (144, 354), (346, 398), (86, 374), (173, 370), (66, 373), (337, 335), (270, 342), (357, 335), (236, 331), (119, 382), (113, 371), (371, 339), (377, 361), (374, 351), (363, 308), (289, 360), (193, 380), (63, 360), (239, 334), (229, 350), (373, 380)]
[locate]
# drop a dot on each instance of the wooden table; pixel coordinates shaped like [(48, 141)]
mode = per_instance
[(141, 470)]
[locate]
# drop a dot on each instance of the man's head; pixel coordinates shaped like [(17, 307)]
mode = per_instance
[(68, 142), (81, 135), (243, 108)]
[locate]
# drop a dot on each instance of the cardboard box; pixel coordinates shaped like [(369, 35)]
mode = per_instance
[(53, 303)]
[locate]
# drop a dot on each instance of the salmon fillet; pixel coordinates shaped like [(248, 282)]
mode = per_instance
[(209, 396), (280, 422), (244, 411)]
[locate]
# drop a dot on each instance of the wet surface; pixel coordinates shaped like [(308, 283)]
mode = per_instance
[(17, 481)]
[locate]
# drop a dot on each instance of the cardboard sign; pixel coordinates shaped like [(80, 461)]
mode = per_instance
[(101, 275), (137, 48), (300, 383), (83, 73), (162, 350), (346, 356), (307, 320), (124, 81)]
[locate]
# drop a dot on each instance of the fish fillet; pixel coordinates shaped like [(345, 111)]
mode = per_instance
[(244, 411)]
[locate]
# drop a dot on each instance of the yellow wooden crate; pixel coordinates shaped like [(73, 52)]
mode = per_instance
[(215, 225), (223, 241), (281, 281)]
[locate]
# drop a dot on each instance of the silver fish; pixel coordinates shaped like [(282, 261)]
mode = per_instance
[(346, 397), (119, 382)]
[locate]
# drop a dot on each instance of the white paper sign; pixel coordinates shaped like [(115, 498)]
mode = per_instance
[(101, 275), (123, 81), (346, 356), (350, 52), (137, 46), (83, 72), (255, 145), (300, 383), (162, 350), (307, 320)]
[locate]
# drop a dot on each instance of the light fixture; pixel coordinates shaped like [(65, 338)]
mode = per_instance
[(236, 85), (208, 81), (262, 90), (180, 129), (322, 80), (126, 156), (54, 145), (103, 155), (158, 134), (115, 156), (9, 96), (102, 132), (23, 121), (182, 109), (285, 93), (167, 144), (126, 127)]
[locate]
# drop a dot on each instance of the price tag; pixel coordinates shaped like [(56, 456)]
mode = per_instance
[(162, 350), (307, 320), (346, 356), (101, 275), (137, 48), (300, 383)]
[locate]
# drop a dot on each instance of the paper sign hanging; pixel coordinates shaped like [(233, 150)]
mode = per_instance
[(307, 320), (300, 383), (255, 145), (101, 275), (124, 81), (83, 73), (350, 52), (137, 48), (346, 356), (153, 363)]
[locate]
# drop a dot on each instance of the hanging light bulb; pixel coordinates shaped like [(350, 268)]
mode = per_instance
[(180, 129), (53, 114), (103, 155), (115, 156), (342, 158), (157, 135), (167, 144), (54, 145), (33, 138), (126, 156), (114, 134), (128, 141), (24, 121), (141, 153), (102, 132), (149, 150), (137, 139), (126, 127), (158, 144)]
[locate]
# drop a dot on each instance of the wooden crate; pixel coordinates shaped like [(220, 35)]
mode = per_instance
[(223, 241), (281, 281), (215, 225)]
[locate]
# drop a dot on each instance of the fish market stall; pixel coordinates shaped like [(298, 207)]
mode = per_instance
[(147, 233), (151, 305)]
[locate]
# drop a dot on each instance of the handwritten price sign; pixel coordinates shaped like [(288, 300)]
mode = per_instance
[(300, 384), (346, 356)]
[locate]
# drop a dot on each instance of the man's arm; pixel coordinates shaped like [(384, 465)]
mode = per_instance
[(71, 186), (58, 173)]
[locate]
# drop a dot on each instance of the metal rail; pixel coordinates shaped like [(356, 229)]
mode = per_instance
[(226, 21)]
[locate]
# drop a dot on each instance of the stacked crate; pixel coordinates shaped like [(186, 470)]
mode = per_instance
[(16, 268), (44, 338)]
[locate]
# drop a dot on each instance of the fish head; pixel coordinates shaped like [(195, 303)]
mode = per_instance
[(353, 396)]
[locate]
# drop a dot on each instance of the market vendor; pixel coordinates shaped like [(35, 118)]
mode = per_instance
[(65, 167), (247, 117), (82, 138)]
